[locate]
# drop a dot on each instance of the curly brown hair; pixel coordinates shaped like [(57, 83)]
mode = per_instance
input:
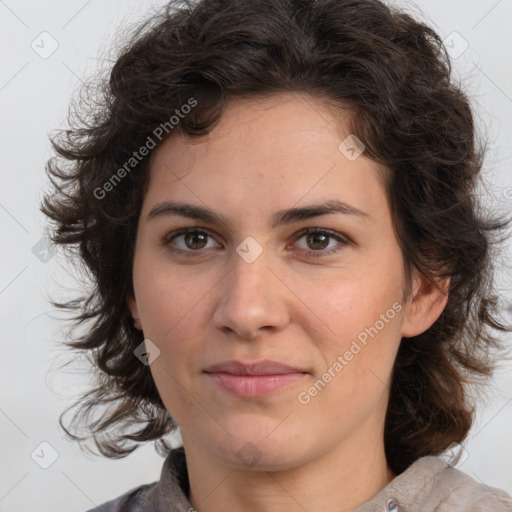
[(394, 75)]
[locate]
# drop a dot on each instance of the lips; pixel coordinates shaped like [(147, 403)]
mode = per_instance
[(254, 379), (265, 367)]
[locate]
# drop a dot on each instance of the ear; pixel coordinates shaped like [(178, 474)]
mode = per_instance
[(132, 304), (425, 305)]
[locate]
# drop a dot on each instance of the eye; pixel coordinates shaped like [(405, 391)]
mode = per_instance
[(318, 240), (188, 241)]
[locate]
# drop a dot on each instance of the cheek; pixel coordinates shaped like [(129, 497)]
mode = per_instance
[(166, 296), (175, 307), (362, 317), (170, 312), (359, 348), (353, 303)]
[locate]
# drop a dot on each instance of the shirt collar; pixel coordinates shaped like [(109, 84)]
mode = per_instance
[(171, 492)]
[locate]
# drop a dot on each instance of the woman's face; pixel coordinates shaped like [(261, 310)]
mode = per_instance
[(250, 284)]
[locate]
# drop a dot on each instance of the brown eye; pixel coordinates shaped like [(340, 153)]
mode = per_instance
[(320, 242), (317, 241), (189, 241), (195, 240)]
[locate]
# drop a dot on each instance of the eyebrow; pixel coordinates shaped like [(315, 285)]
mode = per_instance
[(281, 217)]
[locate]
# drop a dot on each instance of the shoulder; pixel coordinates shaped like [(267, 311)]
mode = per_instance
[(130, 501), (458, 491), (431, 485), (168, 493), (439, 487)]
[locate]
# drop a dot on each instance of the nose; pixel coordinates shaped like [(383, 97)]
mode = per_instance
[(253, 299)]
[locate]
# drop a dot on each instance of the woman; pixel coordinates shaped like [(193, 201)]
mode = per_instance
[(275, 200)]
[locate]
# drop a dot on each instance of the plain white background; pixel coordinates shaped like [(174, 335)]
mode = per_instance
[(34, 96)]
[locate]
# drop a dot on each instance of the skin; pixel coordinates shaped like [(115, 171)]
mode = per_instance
[(265, 155)]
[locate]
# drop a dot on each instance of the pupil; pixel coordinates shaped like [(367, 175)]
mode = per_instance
[(317, 238), (190, 237)]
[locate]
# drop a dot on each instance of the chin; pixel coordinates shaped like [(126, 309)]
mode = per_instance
[(259, 452)]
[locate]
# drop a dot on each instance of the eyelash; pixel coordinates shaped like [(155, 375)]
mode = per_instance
[(344, 241)]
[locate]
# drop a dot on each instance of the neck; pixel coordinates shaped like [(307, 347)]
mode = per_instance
[(349, 475)]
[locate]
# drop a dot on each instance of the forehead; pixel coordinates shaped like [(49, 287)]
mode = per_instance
[(278, 150)]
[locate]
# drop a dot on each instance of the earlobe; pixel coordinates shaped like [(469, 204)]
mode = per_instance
[(425, 304), (132, 304)]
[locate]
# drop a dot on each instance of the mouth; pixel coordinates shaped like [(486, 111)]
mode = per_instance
[(254, 379)]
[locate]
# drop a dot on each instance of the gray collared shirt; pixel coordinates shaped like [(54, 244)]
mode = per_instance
[(429, 484)]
